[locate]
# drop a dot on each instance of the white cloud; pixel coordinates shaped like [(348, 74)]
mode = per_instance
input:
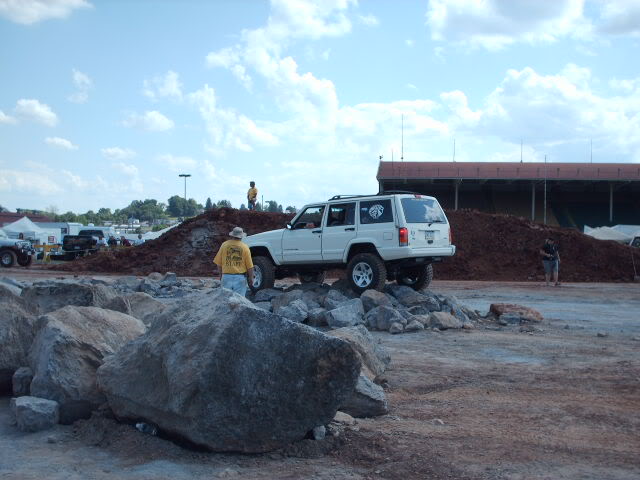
[(167, 85), (126, 168), (60, 143), (620, 17), (4, 118), (117, 153), (31, 109), (152, 121), (369, 20), (494, 24), (177, 164), (409, 42), (28, 12), (83, 84), (32, 182), (76, 181)]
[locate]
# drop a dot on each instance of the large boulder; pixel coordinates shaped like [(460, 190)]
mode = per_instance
[(21, 381), (381, 318), (266, 295), (373, 298), (17, 322), (374, 356), (347, 314), (444, 321), (144, 307), (296, 311), (33, 414), (49, 296), (70, 344), (366, 400), (334, 299), (286, 298), (407, 296), (526, 314), (225, 375)]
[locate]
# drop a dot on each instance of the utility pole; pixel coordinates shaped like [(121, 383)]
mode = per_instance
[(454, 149), (592, 150), (185, 175), (402, 141), (520, 150)]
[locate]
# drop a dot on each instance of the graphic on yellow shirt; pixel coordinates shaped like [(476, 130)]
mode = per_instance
[(233, 257)]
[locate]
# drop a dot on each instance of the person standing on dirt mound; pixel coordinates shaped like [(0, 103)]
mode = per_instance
[(234, 263), (252, 196), (550, 261)]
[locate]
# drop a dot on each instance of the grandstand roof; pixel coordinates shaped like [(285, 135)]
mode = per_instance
[(509, 171)]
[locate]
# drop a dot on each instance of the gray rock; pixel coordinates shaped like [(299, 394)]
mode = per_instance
[(414, 326), (319, 432), (144, 307), (70, 345), (11, 285), (155, 277), (396, 327), (347, 314), (17, 330), (373, 298), (170, 279), (311, 299), (127, 284), (509, 319), (407, 296), (264, 305), (344, 287), (21, 381), (374, 356), (266, 295), (34, 414), (286, 298), (381, 318), (119, 304), (50, 296), (334, 299), (150, 287), (317, 317), (367, 400), (443, 321), (296, 311), (223, 374)]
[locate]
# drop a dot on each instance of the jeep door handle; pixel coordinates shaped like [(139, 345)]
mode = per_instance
[(316, 231), (352, 229)]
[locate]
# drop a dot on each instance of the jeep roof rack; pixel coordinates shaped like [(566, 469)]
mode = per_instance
[(339, 197), (388, 192), (391, 192)]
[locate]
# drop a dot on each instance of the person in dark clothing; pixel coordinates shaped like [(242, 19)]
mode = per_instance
[(550, 260)]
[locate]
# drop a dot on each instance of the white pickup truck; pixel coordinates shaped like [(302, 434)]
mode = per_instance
[(389, 236)]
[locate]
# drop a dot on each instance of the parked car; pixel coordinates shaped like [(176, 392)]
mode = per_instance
[(389, 236), (15, 251)]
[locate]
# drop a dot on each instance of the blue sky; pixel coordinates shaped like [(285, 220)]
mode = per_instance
[(105, 102)]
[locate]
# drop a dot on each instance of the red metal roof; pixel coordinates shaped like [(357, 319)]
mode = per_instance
[(509, 171), (10, 217)]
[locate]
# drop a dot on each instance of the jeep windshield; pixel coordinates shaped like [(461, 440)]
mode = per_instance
[(422, 210)]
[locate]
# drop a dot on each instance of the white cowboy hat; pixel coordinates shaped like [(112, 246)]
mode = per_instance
[(237, 232)]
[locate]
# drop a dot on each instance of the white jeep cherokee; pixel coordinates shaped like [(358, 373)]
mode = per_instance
[(389, 236)]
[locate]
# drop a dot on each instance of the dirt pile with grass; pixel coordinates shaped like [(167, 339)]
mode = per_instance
[(489, 247)]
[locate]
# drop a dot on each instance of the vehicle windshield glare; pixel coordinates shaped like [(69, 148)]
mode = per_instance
[(422, 210)]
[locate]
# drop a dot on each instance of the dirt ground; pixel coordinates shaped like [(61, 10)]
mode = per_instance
[(489, 403)]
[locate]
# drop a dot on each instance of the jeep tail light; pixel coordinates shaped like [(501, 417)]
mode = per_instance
[(403, 234)]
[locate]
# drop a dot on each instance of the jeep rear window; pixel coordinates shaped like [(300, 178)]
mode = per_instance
[(422, 210), (375, 211)]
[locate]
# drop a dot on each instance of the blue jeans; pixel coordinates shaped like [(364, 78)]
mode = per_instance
[(235, 283)]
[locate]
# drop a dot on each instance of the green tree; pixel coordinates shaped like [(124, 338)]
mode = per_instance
[(291, 209), (208, 204), (176, 206), (272, 206), (224, 204), (3, 209), (243, 206)]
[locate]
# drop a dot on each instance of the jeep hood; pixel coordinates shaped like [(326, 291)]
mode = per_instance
[(264, 237)]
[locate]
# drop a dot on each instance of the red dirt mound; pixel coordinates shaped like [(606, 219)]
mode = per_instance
[(489, 247)]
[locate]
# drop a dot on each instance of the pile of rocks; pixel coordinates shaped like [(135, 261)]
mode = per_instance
[(399, 309)]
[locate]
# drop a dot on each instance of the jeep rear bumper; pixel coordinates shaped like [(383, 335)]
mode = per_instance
[(401, 253)]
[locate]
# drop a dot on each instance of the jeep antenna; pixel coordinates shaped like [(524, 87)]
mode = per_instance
[(402, 140)]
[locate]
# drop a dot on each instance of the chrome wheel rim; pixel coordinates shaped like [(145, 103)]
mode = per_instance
[(257, 276), (362, 274), (6, 259)]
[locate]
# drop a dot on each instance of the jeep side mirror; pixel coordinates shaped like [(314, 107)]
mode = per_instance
[(288, 225)]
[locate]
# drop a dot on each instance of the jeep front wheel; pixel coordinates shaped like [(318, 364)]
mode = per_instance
[(416, 278), (264, 273), (25, 260), (8, 258), (366, 271)]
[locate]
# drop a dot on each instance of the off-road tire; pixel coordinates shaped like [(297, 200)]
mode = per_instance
[(417, 278), (370, 269), (8, 258), (25, 261), (311, 277), (264, 272)]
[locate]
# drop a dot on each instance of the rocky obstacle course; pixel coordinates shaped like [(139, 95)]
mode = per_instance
[(489, 247)]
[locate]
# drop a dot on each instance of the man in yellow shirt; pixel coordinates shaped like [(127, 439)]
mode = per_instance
[(234, 263), (252, 196)]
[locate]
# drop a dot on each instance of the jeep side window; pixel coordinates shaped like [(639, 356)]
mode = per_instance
[(341, 214), (310, 218), (375, 211)]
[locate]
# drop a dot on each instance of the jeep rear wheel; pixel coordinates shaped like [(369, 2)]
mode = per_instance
[(366, 271), (25, 260), (416, 278), (311, 277), (8, 258), (264, 273)]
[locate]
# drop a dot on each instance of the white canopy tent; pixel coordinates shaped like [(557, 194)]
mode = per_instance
[(30, 231), (159, 233), (607, 233)]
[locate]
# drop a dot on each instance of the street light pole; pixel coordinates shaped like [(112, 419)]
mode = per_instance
[(185, 175)]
